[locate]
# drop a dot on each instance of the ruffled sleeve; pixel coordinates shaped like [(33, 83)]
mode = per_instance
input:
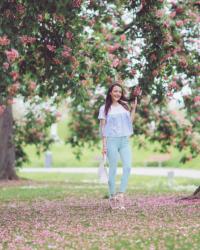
[(102, 113)]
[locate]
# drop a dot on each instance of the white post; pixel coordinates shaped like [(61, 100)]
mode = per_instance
[(54, 132), (48, 159), (170, 176)]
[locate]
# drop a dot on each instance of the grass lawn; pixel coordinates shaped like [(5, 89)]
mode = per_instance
[(70, 211), (63, 155)]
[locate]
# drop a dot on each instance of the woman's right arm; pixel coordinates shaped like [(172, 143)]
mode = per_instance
[(102, 126)]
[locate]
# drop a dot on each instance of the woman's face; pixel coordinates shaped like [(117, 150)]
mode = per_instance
[(116, 93)]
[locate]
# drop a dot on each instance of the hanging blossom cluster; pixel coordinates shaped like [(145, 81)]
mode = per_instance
[(4, 41), (27, 39)]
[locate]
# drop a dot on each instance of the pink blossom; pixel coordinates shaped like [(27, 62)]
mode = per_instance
[(177, 50), (172, 14), (66, 52), (115, 63), (186, 20), (194, 16), (179, 23), (111, 56), (197, 99), (155, 72), (179, 10), (15, 75), (57, 61), (173, 85), (108, 37), (59, 18), (76, 3), (114, 24), (168, 38), (153, 57), (166, 24), (51, 47), (20, 9), (13, 88), (2, 109), (39, 135), (40, 18), (27, 39), (169, 94), (40, 121), (198, 118), (125, 60), (58, 115), (10, 101), (173, 1), (12, 55), (92, 22), (69, 35), (160, 13), (4, 41), (123, 37), (183, 63), (5, 65), (113, 48), (32, 85), (192, 40)]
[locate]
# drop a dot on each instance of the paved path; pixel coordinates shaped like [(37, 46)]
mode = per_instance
[(149, 171)]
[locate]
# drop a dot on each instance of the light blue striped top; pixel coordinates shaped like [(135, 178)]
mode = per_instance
[(118, 121)]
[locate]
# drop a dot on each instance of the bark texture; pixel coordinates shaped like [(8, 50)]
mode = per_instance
[(7, 148), (195, 195)]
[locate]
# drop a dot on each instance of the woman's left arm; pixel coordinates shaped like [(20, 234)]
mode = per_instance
[(133, 109)]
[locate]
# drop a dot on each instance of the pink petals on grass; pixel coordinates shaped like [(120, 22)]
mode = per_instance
[(85, 222)]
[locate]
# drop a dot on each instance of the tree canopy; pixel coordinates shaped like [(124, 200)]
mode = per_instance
[(55, 49)]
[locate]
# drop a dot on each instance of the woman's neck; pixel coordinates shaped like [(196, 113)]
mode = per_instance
[(115, 103)]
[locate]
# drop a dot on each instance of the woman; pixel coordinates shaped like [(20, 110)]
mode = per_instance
[(116, 127)]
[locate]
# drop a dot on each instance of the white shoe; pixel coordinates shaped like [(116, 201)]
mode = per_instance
[(120, 201), (113, 202)]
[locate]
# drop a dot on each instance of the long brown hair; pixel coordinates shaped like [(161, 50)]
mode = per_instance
[(123, 100)]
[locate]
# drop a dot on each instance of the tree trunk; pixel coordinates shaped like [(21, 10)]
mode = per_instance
[(195, 195), (7, 148)]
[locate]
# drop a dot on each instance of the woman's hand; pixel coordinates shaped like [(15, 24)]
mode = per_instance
[(133, 108), (134, 104), (104, 150)]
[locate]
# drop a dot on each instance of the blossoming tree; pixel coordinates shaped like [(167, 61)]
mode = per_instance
[(77, 48), (159, 49), (42, 55)]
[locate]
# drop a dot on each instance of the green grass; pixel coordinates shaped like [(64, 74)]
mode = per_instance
[(70, 211), (53, 186), (63, 155)]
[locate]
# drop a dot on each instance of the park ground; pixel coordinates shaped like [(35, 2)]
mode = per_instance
[(70, 211)]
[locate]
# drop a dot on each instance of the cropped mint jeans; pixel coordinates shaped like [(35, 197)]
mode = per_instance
[(118, 146)]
